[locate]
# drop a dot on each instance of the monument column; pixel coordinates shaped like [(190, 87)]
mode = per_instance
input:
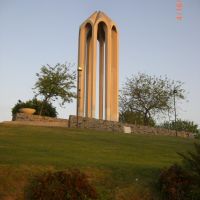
[(81, 71), (114, 76)]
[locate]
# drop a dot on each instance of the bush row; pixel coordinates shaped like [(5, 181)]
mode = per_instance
[(48, 109)]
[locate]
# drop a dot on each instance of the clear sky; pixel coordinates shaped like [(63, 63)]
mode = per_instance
[(36, 32)]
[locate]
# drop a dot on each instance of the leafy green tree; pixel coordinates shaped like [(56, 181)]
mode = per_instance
[(150, 95), (181, 125), (55, 83)]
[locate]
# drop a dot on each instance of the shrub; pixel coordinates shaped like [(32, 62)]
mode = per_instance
[(48, 109), (181, 125), (178, 183), (174, 183), (197, 135), (61, 185), (192, 161)]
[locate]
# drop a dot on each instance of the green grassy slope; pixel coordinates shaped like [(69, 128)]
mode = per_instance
[(116, 162)]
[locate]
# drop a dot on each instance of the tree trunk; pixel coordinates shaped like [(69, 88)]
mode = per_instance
[(42, 106), (41, 109), (146, 119)]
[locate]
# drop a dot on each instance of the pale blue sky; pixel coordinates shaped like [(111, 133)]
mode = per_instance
[(37, 32)]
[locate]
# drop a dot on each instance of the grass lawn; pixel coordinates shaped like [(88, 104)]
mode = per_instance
[(121, 166)]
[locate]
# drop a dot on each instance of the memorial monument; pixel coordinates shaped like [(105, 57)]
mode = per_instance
[(98, 28)]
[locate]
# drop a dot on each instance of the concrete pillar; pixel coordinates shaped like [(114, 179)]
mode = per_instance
[(114, 76), (81, 64)]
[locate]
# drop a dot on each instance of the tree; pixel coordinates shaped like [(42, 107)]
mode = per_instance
[(150, 95), (55, 82), (134, 118), (181, 125)]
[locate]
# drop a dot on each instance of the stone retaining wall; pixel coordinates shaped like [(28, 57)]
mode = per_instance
[(104, 125), (96, 124), (40, 120)]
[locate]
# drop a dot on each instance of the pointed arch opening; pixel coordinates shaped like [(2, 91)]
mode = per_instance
[(88, 72), (101, 37), (114, 73)]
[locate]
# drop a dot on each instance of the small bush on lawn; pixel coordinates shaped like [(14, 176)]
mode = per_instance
[(61, 185), (48, 109), (180, 183), (174, 183), (197, 135)]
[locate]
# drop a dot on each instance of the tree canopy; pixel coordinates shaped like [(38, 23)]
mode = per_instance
[(150, 95), (56, 82)]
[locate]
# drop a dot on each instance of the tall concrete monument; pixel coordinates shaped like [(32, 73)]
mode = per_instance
[(98, 27)]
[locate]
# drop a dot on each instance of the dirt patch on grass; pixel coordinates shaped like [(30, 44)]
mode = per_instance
[(134, 192)]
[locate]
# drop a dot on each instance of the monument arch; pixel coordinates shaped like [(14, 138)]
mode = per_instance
[(98, 27)]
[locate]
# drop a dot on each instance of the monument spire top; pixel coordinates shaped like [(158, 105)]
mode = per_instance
[(98, 16)]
